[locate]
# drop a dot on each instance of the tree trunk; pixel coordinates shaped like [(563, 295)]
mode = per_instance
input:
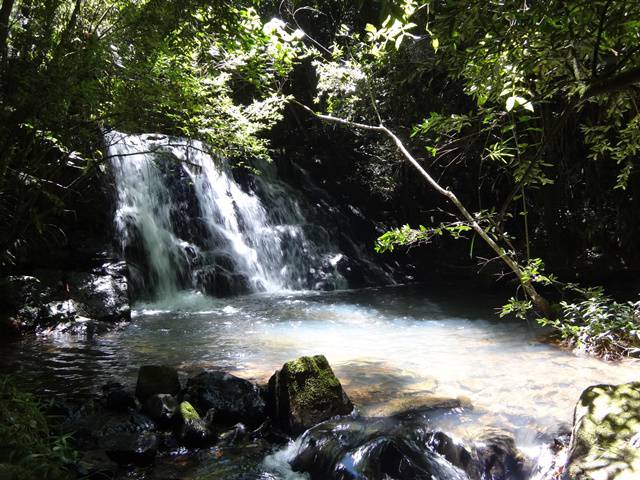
[(5, 17)]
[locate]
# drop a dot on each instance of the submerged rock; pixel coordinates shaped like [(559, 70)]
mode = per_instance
[(606, 434), (154, 379), (229, 398), (304, 393), (192, 431)]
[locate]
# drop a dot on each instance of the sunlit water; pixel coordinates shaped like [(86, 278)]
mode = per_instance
[(390, 347)]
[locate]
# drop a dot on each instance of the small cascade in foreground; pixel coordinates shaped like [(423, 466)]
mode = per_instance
[(184, 222)]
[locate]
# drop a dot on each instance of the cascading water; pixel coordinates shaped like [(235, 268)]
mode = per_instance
[(184, 222)]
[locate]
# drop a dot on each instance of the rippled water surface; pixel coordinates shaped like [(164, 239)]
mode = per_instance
[(391, 348)]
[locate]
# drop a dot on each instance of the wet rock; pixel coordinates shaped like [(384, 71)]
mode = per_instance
[(140, 422), (406, 448), (606, 434), (54, 297), (131, 448), (161, 407), (192, 431), (230, 399), (91, 423), (352, 449), (58, 312), (154, 379), (352, 271), (454, 452), (305, 392), (117, 398), (20, 290), (168, 442), (412, 405), (104, 292), (21, 297), (233, 436), (499, 459), (222, 282), (77, 325)]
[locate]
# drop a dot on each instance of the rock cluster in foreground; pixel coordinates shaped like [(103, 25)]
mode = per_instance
[(213, 407), (304, 397)]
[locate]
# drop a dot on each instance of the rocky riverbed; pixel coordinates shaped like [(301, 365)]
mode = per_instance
[(302, 424)]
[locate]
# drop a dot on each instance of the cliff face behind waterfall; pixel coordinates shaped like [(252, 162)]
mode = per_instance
[(184, 222)]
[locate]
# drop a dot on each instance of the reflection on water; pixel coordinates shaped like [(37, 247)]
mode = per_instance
[(389, 346)]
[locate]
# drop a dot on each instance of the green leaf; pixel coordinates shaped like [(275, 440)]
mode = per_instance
[(398, 41)]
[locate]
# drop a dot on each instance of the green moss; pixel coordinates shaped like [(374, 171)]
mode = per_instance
[(312, 382), (607, 419), (188, 412)]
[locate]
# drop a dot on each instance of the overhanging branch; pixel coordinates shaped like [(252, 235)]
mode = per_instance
[(540, 302), (618, 82)]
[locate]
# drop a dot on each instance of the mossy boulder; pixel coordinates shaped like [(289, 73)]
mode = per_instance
[(191, 431), (606, 434), (154, 379), (304, 393)]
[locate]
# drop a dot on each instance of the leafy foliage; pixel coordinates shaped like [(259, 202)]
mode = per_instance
[(599, 325), (528, 79), (411, 236), (72, 69), (28, 447)]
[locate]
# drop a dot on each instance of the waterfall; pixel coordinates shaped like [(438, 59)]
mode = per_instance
[(184, 222)]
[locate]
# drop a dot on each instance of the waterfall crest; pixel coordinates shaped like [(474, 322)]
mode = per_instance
[(184, 222)]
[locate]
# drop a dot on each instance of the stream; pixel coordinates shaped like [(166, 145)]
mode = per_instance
[(391, 347)]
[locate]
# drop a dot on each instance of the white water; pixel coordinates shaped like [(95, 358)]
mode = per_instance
[(185, 223)]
